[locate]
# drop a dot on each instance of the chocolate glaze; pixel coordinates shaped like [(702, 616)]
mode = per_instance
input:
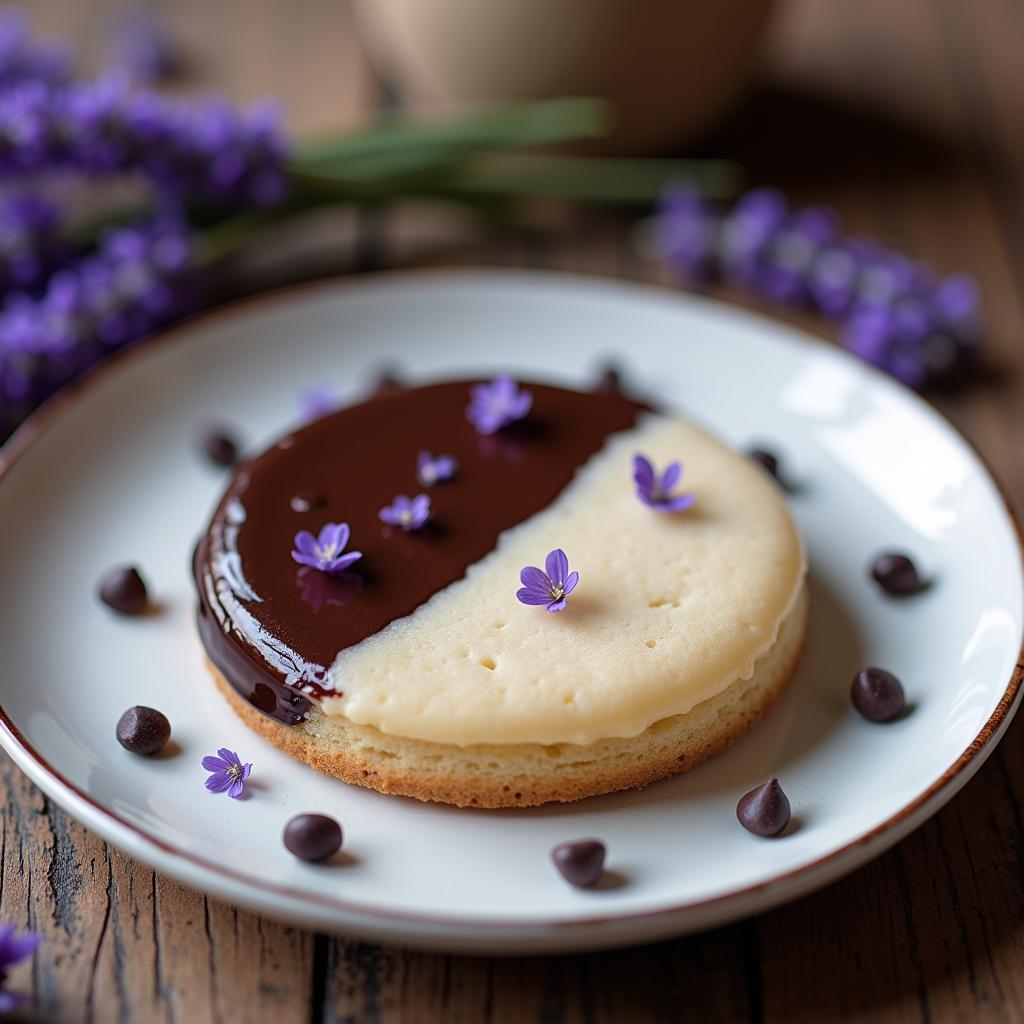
[(274, 628)]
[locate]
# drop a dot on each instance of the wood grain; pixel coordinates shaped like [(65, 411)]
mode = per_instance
[(907, 117)]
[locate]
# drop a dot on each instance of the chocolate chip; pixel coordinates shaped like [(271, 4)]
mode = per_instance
[(877, 694), (766, 459), (312, 836), (580, 863), (896, 574), (387, 381), (124, 590), (609, 382), (220, 447), (307, 501), (143, 730), (764, 810)]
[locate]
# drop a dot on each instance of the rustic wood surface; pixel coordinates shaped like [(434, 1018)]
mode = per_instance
[(907, 116)]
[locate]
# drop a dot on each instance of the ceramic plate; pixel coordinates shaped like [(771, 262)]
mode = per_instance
[(111, 474)]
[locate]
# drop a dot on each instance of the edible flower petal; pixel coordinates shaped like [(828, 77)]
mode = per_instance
[(496, 404), (656, 491), (549, 586), (325, 552), (227, 773), (407, 513)]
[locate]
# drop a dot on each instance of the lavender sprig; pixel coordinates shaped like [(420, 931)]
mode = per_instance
[(31, 245), (136, 281), (198, 150), (25, 58), (13, 949), (141, 47), (894, 313)]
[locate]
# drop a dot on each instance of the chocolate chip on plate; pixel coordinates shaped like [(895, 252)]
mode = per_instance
[(219, 446), (312, 837), (766, 459), (877, 694), (124, 590), (896, 574), (580, 863), (143, 730), (387, 381), (609, 380), (764, 810)]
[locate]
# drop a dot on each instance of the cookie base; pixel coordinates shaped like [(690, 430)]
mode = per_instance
[(525, 775)]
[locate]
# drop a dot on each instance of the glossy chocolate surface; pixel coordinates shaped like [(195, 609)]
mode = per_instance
[(274, 628)]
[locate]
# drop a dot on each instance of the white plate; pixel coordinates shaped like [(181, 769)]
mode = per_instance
[(114, 477)]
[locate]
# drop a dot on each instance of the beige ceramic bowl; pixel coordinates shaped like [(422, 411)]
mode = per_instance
[(669, 67)]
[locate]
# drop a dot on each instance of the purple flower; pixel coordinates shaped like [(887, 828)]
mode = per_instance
[(407, 513), (657, 493), (319, 401), (24, 58), (142, 48), (496, 404), (686, 231), (13, 949), (893, 311), (204, 150), (434, 469), (549, 588), (31, 245), (228, 773), (136, 281), (326, 551)]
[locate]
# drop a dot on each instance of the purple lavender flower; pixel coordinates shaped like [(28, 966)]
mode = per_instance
[(24, 58), (746, 231), (228, 773), (325, 552), (13, 949), (496, 404), (434, 469), (136, 280), (319, 401), (657, 492), (31, 246), (201, 150), (407, 513), (893, 311), (141, 47), (686, 231), (551, 587)]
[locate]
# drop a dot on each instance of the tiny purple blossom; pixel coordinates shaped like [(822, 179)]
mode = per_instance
[(319, 401), (655, 491), (228, 773), (13, 949), (549, 586), (325, 551), (496, 404), (434, 469), (407, 513)]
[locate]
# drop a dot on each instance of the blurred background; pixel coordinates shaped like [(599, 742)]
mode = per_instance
[(853, 168), (849, 169)]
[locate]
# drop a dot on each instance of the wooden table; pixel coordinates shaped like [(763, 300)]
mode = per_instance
[(907, 116)]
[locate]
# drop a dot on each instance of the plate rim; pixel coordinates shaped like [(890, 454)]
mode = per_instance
[(816, 872)]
